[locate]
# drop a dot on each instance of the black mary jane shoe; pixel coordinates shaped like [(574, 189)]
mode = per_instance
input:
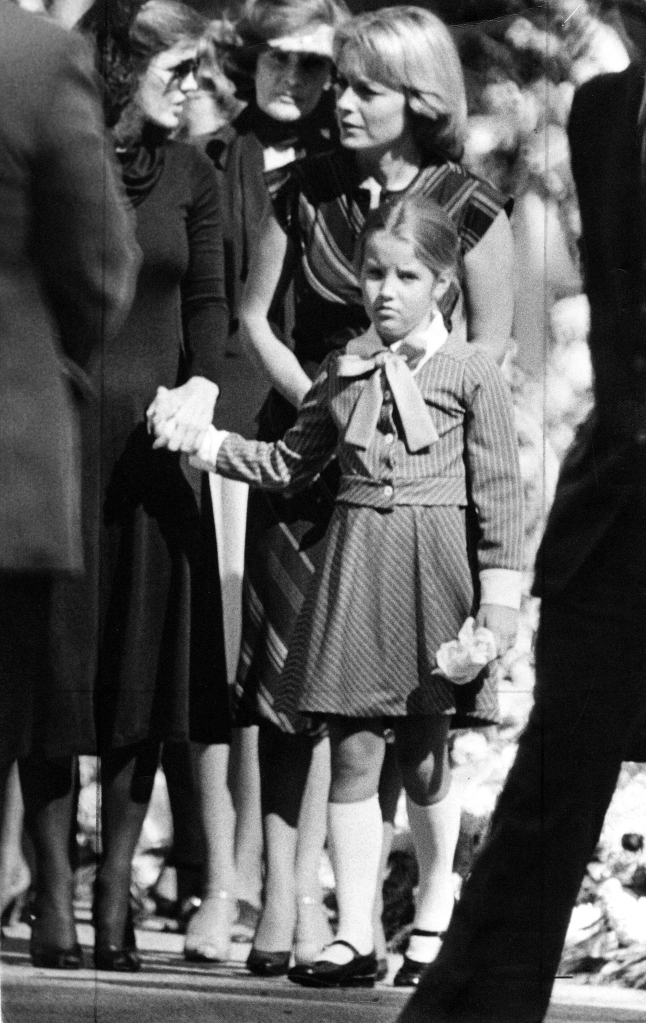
[(410, 972), (268, 964), (361, 971)]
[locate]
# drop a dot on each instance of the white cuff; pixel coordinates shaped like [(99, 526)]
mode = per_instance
[(207, 456), (501, 586)]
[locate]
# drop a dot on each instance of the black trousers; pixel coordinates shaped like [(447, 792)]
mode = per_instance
[(502, 950)]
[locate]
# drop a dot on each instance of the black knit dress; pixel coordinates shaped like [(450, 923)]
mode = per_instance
[(138, 642)]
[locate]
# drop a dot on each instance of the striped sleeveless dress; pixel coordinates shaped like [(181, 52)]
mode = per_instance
[(322, 207)]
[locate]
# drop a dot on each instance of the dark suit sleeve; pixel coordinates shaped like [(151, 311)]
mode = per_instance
[(613, 220), (83, 229), (205, 311)]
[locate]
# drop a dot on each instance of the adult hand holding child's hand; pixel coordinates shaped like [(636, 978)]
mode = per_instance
[(181, 417)]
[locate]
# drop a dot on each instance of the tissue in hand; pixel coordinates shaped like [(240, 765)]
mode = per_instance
[(462, 659)]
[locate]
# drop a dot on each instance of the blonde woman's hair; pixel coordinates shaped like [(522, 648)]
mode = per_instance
[(411, 49)]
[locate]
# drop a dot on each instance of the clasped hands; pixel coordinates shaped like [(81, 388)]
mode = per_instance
[(180, 418)]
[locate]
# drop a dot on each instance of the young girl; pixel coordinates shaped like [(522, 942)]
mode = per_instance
[(423, 429)]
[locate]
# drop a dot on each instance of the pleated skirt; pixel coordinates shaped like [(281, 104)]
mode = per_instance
[(392, 586)]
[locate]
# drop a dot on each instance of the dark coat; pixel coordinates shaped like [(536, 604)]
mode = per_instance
[(237, 156), (68, 265), (606, 467)]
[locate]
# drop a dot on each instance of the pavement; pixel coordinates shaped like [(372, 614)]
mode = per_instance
[(170, 990)]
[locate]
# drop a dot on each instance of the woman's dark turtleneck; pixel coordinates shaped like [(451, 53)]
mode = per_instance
[(142, 160)]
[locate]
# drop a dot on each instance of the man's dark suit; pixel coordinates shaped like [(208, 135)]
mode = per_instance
[(68, 264), (502, 950)]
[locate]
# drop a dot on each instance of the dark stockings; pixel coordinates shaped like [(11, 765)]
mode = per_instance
[(49, 795), (127, 778)]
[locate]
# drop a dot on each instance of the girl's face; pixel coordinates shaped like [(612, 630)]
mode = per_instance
[(165, 83), (289, 85), (399, 291), (371, 116)]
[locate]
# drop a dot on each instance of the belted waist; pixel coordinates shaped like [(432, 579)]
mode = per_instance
[(386, 493)]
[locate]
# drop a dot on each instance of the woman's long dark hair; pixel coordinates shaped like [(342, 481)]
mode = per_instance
[(262, 20), (128, 34)]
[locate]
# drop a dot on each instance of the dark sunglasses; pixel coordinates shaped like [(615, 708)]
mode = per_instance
[(308, 63), (181, 71)]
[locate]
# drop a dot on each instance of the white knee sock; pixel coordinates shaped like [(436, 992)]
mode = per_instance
[(354, 838), (435, 831)]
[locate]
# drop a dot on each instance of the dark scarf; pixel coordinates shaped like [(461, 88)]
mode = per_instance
[(314, 133), (142, 162)]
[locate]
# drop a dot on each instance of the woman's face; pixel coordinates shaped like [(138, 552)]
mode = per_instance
[(371, 116), (289, 85), (165, 83)]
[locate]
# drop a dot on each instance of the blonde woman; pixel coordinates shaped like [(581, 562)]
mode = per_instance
[(401, 112)]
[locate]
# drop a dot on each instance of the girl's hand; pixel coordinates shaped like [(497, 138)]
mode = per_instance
[(180, 418), (502, 621)]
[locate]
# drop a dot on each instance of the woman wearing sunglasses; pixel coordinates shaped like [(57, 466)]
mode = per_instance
[(138, 644)]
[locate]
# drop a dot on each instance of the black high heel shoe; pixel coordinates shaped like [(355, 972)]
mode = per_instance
[(268, 964), (47, 955), (124, 959), (119, 960)]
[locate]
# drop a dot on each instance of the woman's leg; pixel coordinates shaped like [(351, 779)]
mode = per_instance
[(285, 762), (229, 498), (355, 830), (313, 931), (434, 816), (127, 777), (209, 931), (14, 871), (187, 856), (244, 782), (49, 795)]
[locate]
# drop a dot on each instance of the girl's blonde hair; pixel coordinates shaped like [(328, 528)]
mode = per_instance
[(421, 221), (411, 49)]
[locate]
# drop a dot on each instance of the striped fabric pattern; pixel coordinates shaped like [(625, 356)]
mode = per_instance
[(319, 202), (285, 543), (395, 580), (470, 404), (393, 586)]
